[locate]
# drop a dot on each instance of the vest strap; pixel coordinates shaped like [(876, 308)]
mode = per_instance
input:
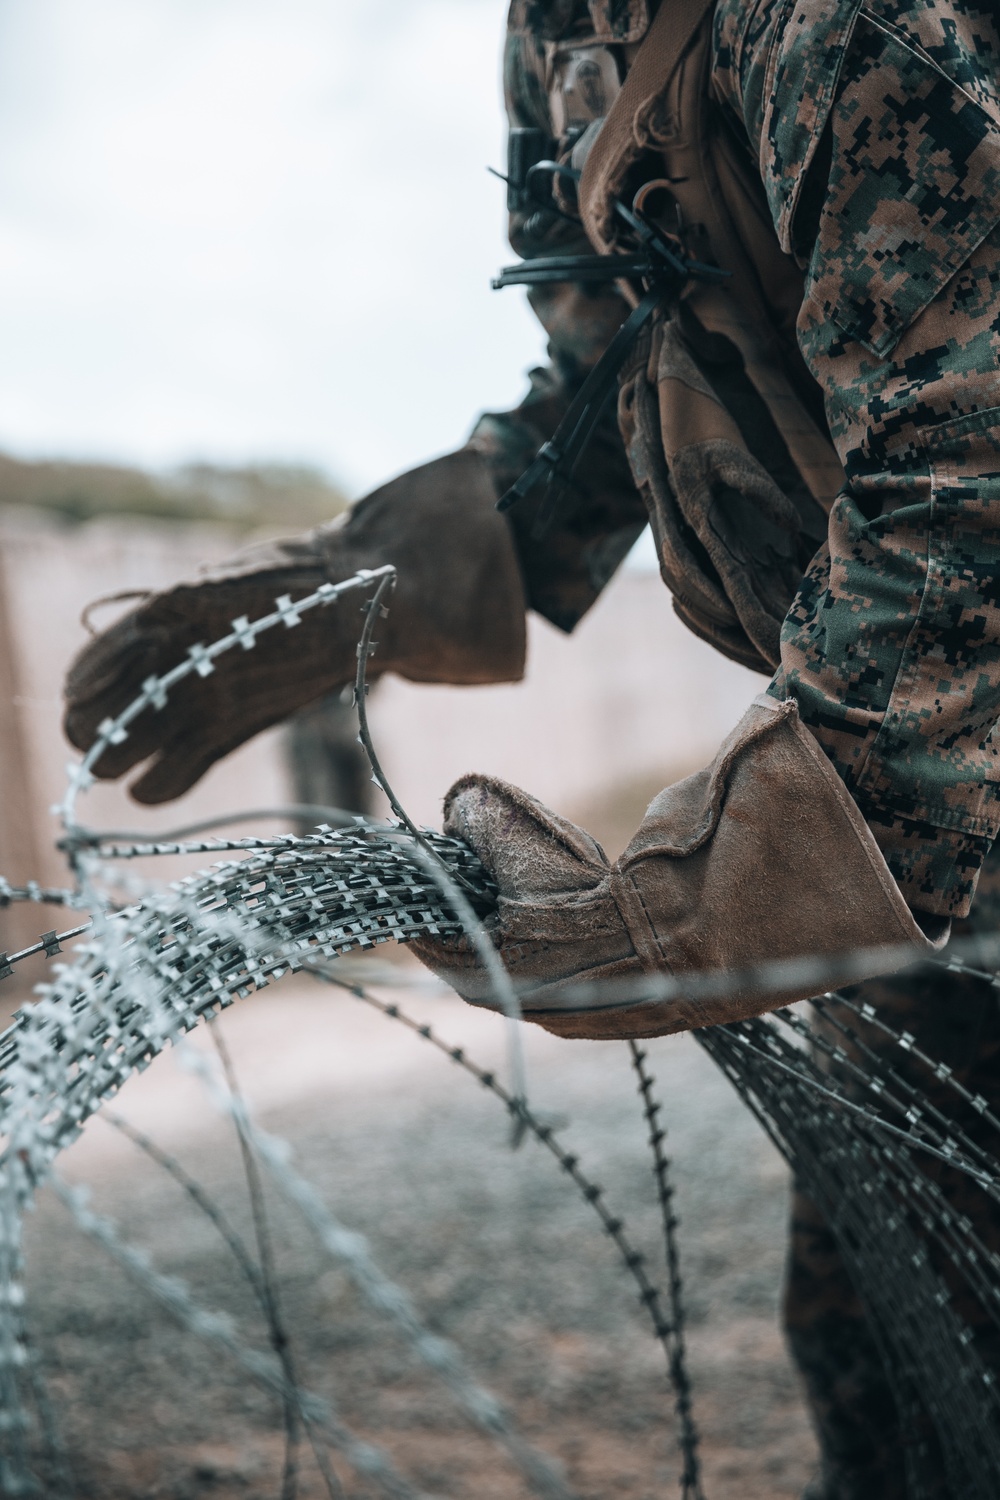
[(674, 27)]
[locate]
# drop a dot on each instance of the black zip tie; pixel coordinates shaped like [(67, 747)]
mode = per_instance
[(658, 263), (556, 460), (551, 268)]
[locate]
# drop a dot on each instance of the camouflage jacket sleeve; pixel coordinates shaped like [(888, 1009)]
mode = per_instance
[(877, 131), (566, 569)]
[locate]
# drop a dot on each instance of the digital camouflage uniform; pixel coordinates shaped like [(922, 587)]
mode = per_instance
[(876, 133)]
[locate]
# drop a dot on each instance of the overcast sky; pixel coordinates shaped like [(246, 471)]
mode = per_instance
[(253, 229)]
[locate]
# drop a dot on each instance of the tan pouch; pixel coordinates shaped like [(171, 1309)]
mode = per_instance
[(721, 419)]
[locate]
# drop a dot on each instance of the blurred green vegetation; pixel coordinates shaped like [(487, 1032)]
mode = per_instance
[(263, 495)]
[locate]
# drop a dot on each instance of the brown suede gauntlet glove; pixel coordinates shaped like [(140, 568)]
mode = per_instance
[(457, 615), (761, 857)]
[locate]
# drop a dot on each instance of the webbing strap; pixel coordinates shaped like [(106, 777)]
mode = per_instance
[(671, 33), (693, 156)]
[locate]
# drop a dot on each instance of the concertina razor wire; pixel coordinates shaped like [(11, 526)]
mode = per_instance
[(882, 1134)]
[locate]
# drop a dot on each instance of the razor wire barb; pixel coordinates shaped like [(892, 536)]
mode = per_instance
[(888, 1155), (132, 1034)]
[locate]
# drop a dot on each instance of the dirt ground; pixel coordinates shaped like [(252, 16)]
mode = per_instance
[(497, 1249)]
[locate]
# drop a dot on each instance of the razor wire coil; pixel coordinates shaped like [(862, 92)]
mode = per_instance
[(830, 1086)]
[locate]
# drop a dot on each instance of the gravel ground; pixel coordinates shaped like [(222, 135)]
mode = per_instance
[(497, 1249)]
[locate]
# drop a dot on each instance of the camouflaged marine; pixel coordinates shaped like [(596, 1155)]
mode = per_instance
[(773, 226)]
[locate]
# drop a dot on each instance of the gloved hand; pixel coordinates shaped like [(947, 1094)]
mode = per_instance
[(457, 616), (763, 856)]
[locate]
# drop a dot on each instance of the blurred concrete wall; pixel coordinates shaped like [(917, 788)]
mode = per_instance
[(629, 701), (603, 718), (48, 573)]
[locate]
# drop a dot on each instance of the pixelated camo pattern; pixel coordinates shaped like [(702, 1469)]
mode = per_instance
[(893, 644), (607, 20), (876, 128)]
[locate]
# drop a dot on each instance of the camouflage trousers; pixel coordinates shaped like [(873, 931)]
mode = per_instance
[(863, 1437)]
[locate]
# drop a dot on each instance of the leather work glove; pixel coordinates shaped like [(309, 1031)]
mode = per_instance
[(456, 616), (763, 856)]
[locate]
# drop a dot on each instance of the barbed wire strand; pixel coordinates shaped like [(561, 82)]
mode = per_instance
[(207, 1205), (351, 1250), (280, 1342), (150, 971), (367, 1460), (612, 1223), (59, 1485), (680, 1380), (200, 660), (455, 890), (855, 1177)]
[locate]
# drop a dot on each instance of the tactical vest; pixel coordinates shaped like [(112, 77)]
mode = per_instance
[(723, 423)]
